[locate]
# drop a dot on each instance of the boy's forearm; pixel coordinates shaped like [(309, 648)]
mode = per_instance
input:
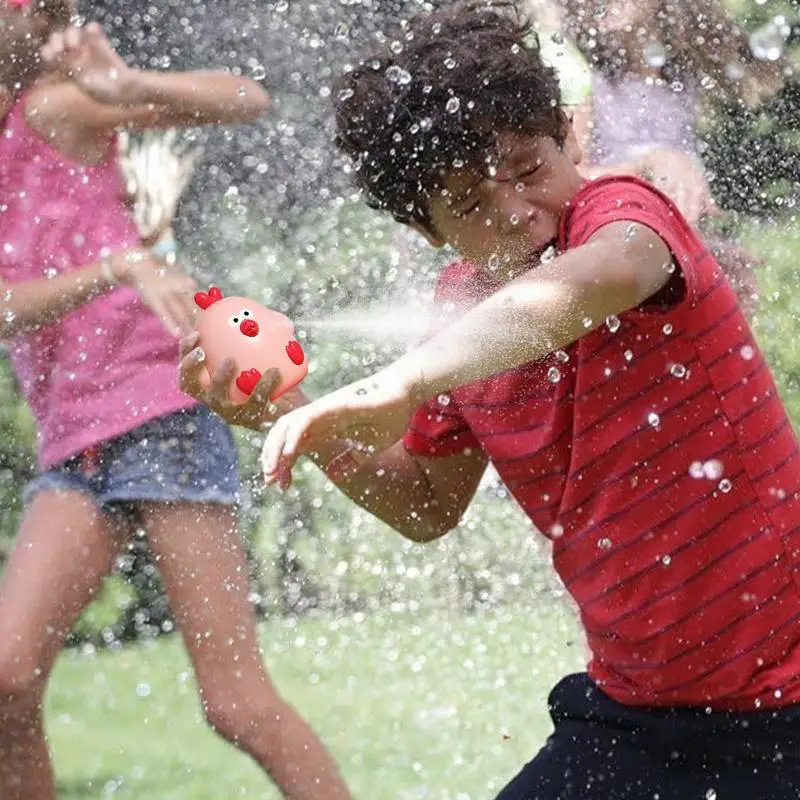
[(198, 98), (545, 309), (391, 486), (31, 304)]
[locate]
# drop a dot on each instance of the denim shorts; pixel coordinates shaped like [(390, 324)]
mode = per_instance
[(185, 457)]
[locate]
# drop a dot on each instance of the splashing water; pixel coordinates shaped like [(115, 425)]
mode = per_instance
[(399, 324)]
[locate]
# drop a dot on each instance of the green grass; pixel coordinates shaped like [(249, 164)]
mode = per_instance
[(443, 706)]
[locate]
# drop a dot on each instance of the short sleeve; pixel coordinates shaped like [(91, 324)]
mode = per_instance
[(438, 429), (629, 199)]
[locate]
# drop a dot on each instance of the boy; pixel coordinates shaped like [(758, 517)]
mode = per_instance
[(617, 389)]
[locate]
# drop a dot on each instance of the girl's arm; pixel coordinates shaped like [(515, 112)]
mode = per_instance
[(112, 94), (28, 305)]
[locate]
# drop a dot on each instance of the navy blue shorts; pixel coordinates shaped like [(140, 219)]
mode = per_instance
[(185, 457), (603, 750)]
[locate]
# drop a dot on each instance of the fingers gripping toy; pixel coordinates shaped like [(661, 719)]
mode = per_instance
[(256, 338)]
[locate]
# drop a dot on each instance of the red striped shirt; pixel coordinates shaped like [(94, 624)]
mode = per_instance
[(658, 457)]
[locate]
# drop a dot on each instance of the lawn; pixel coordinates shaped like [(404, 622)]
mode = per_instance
[(439, 706)]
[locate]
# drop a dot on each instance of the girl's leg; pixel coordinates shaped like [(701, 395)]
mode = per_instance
[(63, 550), (203, 566)]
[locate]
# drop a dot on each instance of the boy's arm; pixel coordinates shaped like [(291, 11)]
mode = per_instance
[(112, 94), (622, 265), (421, 498)]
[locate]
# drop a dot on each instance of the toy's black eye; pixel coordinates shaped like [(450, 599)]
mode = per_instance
[(246, 313), (236, 319)]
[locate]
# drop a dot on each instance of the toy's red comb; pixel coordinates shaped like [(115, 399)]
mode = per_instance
[(206, 300)]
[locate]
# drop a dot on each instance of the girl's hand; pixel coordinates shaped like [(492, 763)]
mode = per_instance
[(86, 57), (167, 291), (256, 412), (372, 414)]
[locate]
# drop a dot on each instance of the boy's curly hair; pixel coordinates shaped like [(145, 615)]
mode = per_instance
[(436, 95)]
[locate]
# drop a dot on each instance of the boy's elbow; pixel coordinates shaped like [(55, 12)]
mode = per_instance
[(427, 529)]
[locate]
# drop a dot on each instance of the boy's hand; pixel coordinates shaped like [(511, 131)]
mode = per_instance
[(86, 57), (256, 413), (373, 414)]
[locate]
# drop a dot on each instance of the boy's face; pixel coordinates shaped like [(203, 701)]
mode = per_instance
[(504, 220)]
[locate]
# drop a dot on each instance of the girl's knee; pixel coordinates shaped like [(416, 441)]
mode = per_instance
[(237, 718)]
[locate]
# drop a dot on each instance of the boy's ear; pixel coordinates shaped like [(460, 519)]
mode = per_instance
[(433, 238)]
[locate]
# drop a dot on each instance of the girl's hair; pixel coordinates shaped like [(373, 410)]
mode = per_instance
[(702, 45), (23, 34)]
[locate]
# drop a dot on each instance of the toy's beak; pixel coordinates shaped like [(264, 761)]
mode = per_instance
[(249, 327)]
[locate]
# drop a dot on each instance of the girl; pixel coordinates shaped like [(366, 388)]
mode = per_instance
[(653, 65), (91, 319)]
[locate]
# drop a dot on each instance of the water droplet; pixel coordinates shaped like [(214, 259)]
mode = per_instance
[(628, 355), (396, 46), (143, 690), (613, 323), (667, 329), (398, 75), (562, 356), (342, 31), (557, 531), (281, 6), (713, 469), (666, 560), (653, 419), (734, 71), (553, 375), (725, 486), (453, 104), (604, 544), (655, 55), (747, 352), (258, 72), (707, 82), (696, 469), (450, 62), (587, 322), (548, 255), (8, 247), (677, 371), (514, 219), (768, 42), (630, 231), (443, 399), (711, 795)]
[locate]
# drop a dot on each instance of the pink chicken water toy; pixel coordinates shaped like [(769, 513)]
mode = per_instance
[(256, 338)]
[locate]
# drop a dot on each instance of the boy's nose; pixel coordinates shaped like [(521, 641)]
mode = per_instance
[(249, 327)]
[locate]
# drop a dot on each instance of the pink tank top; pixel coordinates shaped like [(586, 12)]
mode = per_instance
[(109, 366)]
